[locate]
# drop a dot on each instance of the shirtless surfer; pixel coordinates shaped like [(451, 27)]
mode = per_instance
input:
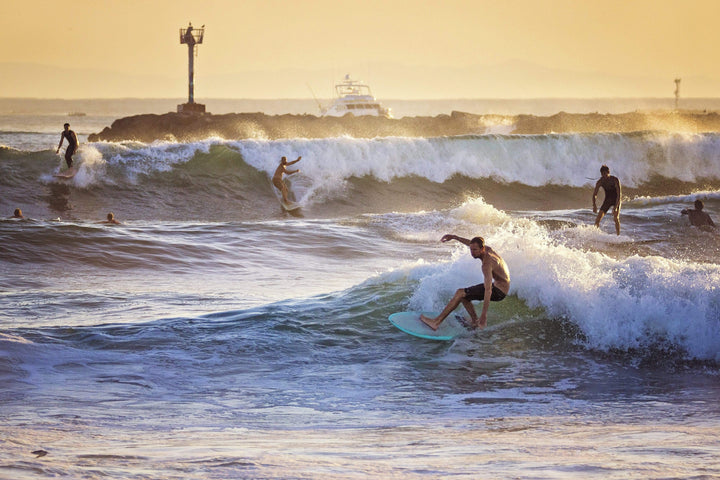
[(697, 217), (72, 144), (613, 197), (278, 176), (111, 219), (494, 288)]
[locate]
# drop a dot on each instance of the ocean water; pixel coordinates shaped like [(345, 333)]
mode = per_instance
[(212, 335)]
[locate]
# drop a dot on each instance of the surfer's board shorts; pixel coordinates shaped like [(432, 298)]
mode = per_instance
[(69, 152), (477, 292), (610, 200)]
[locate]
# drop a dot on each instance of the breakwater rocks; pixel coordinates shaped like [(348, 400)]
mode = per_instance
[(184, 127)]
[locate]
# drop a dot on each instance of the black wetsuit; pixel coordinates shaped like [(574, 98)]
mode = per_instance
[(611, 194), (72, 146)]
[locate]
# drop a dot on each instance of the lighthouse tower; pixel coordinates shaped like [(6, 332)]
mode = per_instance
[(192, 37)]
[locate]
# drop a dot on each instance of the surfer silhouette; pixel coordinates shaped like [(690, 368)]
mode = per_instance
[(613, 197), (277, 178), (697, 217), (494, 288), (72, 144)]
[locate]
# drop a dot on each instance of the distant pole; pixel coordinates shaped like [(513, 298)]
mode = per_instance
[(191, 70), (191, 37), (677, 92)]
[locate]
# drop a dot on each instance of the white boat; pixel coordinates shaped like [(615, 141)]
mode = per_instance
[(354, 96)]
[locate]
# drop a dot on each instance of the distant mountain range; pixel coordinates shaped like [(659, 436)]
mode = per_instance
[(513, 79)]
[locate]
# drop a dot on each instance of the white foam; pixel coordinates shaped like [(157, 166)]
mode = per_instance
[(699, 195), (533, 160)]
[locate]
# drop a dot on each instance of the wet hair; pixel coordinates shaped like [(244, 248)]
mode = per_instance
[(604, 169), (110, 216), (699, 205), (17, 212), (283, 160), (479, 241), (66, 125)]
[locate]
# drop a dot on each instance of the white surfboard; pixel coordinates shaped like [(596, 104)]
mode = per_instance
[(69, 173), (409, 322), (289, 206)]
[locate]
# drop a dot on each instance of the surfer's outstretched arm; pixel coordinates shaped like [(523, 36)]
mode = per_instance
[(294, 161), (450, 236)]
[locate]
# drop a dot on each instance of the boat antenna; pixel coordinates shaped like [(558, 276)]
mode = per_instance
[(313, 94)]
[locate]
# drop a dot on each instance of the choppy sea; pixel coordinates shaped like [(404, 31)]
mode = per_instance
[(212, 335)]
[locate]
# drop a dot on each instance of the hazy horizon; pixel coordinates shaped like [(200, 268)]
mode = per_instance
[(123, 107)]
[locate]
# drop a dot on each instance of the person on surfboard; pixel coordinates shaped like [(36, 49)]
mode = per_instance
[(494, 288), (613, 194), (72, 144), (278, 176)]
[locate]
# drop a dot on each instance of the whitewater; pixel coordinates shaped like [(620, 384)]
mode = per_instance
[(214, 335)]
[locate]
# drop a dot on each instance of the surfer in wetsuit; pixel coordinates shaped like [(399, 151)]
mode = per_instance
[(494, 288), (72, 144), (613, 197), (697, 217), (278, 176)]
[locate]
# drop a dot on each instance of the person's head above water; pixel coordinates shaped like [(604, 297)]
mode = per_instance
[(699, 205), (604, 170)]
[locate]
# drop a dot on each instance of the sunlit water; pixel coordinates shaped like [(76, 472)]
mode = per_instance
[(212, 335)]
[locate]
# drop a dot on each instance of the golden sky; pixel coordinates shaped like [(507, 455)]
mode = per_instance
[(406, 49)]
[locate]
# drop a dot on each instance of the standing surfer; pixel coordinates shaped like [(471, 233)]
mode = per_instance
[(613, 197), (277, 178), (72, 144), (495, 286)]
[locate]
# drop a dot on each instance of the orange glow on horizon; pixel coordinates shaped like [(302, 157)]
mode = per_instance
[(405, 49)]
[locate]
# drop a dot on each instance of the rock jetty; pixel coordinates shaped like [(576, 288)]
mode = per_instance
[(235, 126)]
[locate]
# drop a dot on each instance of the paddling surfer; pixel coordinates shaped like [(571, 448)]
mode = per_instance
[(495, 286), (697, 217), (613, 197), (111, 219), (277, 178), (72, 144)]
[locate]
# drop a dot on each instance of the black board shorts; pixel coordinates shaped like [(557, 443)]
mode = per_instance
[(610, 200), (477, 292), (69, 152)]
